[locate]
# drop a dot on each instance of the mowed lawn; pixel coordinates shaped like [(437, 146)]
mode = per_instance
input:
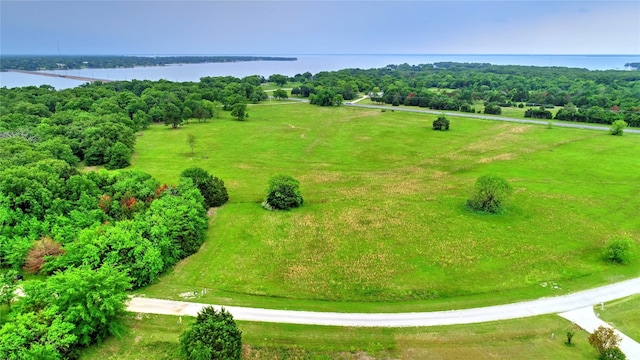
[(542, 337), (624, 315), (384, 226)]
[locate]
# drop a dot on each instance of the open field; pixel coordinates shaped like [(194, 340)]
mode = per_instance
[(384, 226), (624, 315), (156, 337)]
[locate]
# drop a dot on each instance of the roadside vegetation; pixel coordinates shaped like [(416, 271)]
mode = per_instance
[(542, 337), (623, 314)]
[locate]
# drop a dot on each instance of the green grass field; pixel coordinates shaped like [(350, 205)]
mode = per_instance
[(156, 337), (624, 315), (384, 227)]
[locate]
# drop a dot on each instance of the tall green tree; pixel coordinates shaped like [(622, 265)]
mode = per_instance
[(211, 188), (280, 80), (239, 111), (171, 115), (280, 94)]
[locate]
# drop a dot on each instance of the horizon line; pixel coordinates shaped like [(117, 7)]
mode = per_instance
[(318, 54)]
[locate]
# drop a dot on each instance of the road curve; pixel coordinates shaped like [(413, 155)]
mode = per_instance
[(489, 117), (590, 321), (550, 305)]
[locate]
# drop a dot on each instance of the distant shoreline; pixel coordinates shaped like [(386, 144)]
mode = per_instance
[(77, 62)]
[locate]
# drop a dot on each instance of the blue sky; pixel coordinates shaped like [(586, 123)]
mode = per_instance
[(320, 27)]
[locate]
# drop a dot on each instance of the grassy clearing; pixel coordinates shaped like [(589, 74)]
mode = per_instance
[(624, 315), (384, 227), (156, 337)]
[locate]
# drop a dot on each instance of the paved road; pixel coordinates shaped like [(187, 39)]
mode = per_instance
[(587, 319), (480, 117), (550, 305), (489, 117)]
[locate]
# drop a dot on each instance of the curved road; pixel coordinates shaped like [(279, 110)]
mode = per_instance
[(481, 117), (550, 305), (498, 118)]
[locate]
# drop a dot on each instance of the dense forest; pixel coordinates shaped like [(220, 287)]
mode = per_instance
[(95, 234), (52, 62)]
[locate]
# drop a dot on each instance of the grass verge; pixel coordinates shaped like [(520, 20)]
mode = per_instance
[(623, 314), (542, 337)]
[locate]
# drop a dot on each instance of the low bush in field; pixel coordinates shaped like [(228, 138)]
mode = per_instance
[(283, 193), (619, 251), (441, 123), (489, 194)]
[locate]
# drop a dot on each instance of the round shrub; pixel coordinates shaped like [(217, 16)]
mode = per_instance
[(617, 128), (214, 335), (618, 251), (441, 123), (489, 194), (211, 188), (283, 193)]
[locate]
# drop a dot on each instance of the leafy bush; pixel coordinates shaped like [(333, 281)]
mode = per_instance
[(540, 113), (493, 109), (283, 193), (618, 250), (617, 128), (441, 123), (69, 310), (603, 339), (211, 188), (214, 335), (489, 194), (613, 354)]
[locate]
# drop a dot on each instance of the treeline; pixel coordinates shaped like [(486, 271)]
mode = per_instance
[(97, 123), (95, 233), (596, 96), (53, 62)]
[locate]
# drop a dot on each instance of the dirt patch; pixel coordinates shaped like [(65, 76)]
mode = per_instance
[(321, 177), (313, 145), (501, 157)]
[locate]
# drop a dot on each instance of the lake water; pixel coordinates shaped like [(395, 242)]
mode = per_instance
[(310, 63)]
